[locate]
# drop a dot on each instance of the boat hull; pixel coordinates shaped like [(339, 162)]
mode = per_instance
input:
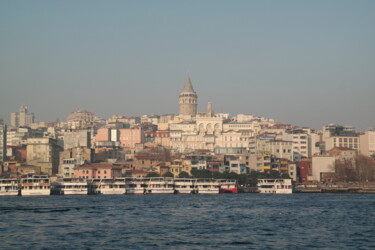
[(112, 191), (184, 191), (160, 191), (75, 192), (35, 192), (139, 191), (9, 193), (228, 190), (207, 191)]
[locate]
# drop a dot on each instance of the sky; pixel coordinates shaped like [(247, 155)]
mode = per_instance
[(308, 63)]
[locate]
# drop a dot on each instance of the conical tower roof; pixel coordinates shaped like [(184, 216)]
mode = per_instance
[(188, 86)]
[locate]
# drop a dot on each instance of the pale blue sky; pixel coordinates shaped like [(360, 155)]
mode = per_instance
[(308, 63)]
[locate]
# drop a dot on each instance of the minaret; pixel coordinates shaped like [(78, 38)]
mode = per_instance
[(188, 99), (209, 112)]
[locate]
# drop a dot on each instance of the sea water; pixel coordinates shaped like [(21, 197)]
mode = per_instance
[(228, 221)]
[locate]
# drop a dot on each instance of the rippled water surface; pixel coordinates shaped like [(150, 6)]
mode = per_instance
[(246, 221)]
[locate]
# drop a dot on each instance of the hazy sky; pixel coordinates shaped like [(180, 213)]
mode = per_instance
[(308, 63)]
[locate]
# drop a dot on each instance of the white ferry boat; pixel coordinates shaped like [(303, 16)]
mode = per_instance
[(35, 185), (228, 186), (107, 186), (207, 186), (69, 186), (9, 187), (275, 186), (185, 186), (160, 185), (135, 185)]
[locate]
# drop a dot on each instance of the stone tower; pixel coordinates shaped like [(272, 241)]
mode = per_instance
[(188, 99)]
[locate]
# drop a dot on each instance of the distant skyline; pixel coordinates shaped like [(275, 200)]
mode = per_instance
[(308, 63)]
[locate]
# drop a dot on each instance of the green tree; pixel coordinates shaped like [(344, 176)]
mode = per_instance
[(243, 179), (273, 174), (201, 173), (183, 174), (216, 175), (153, 174), (168, 174), (285, 176)]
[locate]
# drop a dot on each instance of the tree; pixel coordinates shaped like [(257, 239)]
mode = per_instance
[(360, 169), (183, 174), (168, 174), (285, 176), (344, 171), (365, 168), (243, 179), (153, 174), (201, 173)]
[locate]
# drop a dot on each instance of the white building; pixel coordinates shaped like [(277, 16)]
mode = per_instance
[(340, 136), (367, 145), (322, 165), (21, 118), (3, 139)]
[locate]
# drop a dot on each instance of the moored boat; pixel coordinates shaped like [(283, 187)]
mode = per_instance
[(275, 186), (69, 186), (107, 186), (35, 185), (9, 187), (228, 186), (207, 186), (135, 185), (160, 185), (185, 186)]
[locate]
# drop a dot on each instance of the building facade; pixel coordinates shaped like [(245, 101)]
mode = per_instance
[(367, 142), (21, 118), (3, 142), (43, 152)]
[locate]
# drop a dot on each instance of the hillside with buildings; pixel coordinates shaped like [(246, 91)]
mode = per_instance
[(180, 145)]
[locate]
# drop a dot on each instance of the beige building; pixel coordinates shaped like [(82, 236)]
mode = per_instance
[(77, 138), (21, 118), (3, 142), (43, 152), (179, 166), (281, 149), (322, 165), (340, 136), (343, 154), (207, 133), (367, 143)]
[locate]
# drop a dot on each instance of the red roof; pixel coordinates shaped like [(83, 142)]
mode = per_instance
[(100, 165)]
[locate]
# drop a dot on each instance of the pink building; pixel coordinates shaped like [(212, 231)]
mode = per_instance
[(130, 137), (103, 134), (98, 171)]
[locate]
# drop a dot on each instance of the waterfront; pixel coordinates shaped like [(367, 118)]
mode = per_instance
[(188, 221)]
